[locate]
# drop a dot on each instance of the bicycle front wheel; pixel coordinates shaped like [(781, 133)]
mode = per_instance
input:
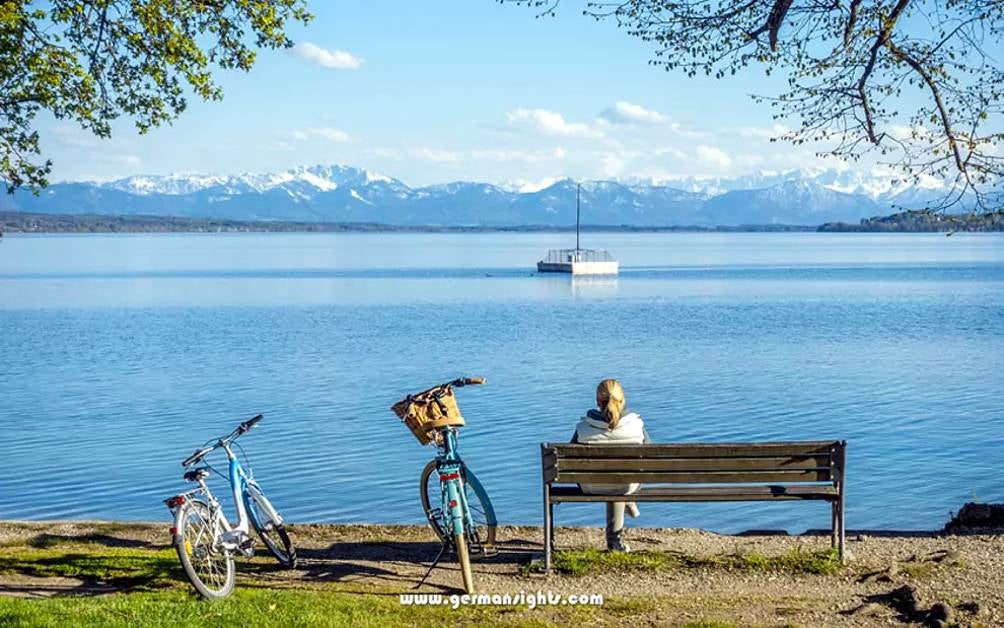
[(481, 528), (465, 562), (269, 527), (209, 567)]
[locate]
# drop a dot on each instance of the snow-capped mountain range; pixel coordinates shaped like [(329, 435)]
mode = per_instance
[(352, 195)]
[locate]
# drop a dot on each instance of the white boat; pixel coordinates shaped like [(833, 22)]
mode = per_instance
[(578, 261)]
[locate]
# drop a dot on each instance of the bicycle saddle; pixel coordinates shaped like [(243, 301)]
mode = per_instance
[(196, 474)]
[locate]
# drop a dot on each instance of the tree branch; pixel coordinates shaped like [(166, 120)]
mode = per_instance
[(880, 42), (852, 18), (100, 38), (946, 123), (773, 24)]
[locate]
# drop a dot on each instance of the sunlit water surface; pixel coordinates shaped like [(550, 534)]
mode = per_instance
[(122, 353)]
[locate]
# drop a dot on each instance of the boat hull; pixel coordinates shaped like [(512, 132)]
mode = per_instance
[(579, 268)]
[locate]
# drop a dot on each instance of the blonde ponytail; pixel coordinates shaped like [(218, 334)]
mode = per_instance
[(610, 401)]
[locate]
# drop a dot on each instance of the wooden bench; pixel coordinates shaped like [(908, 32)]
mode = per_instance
[(697, 472)]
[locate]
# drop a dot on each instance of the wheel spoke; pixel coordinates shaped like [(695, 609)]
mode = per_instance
[(211, 566)]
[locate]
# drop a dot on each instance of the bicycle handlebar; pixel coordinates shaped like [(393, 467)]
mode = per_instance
[(201, 452), (247, 425), (467, 381)]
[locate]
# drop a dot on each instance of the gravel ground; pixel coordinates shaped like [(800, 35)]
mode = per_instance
[(965, 573)]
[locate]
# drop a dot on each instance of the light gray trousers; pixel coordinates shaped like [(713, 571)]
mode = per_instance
[(615, 518)]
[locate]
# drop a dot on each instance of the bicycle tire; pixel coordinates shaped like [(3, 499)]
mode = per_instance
[(463, 557), (272, 534), (196, 549), (482, 529)]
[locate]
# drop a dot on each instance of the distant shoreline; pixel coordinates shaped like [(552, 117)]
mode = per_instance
[(905, 222), (21, 222)]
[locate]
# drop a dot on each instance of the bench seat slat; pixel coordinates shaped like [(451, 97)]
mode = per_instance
[(693, 450), (687, 477), (701, 494)]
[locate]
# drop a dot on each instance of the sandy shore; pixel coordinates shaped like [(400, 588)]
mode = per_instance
[(963, 572)]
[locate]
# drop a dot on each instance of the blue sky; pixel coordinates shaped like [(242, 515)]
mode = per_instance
[(449, 90)]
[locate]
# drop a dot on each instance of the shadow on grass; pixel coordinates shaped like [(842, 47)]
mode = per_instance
[(50, 540), (94, 573), (344, 562), (419, 552)]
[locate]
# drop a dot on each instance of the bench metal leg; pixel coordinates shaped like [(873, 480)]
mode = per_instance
[(842, 525), (548, 527), (550, 508), (834, 522), (841, 501)]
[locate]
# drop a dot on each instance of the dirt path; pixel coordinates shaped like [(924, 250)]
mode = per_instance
[(966, 573)]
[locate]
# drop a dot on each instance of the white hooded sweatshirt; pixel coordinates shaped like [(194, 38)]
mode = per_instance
[(593, 429)]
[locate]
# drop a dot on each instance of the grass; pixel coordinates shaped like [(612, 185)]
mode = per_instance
[(93, 564), (150, 590), (247, 607), (581, 562), (253, 607)]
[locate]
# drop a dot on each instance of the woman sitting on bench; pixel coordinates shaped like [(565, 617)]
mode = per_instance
[(612, 424)]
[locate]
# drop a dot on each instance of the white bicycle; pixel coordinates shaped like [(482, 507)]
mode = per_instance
[(205, 540)]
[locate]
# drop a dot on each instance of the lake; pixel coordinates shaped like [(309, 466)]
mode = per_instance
[(122, 353)]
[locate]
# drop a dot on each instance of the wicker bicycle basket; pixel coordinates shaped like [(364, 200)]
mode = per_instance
[(423, 415)]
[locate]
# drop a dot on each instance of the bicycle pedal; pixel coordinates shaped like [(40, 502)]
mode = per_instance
[(246, 546)]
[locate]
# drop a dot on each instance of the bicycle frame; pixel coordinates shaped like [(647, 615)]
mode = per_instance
[(240, 483), (452, 477)]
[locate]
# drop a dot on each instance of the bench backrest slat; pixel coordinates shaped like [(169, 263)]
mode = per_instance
[(663, 477), (773, 463), (692, 463), (693, 450)]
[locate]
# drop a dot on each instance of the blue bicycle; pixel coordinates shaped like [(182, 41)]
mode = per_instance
[(454, 500), (206, 542)]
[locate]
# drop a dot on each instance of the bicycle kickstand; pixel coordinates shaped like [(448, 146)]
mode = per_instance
[(439, 556)]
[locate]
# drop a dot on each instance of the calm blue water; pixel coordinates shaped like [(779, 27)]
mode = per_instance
[(121, 354)]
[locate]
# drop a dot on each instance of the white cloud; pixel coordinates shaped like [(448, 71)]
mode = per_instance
[(713, 156), (550, 123), (329, 134), (557, 154), (613, 166), (435, 154), (671, 151), (74, 136), (903, 133), (331, 59), (386, 153), (629, 113), (774, 130), (116, 158)]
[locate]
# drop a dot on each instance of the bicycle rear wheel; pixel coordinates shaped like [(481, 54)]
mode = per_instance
[(481, 529), (208, 567), (269, 526)]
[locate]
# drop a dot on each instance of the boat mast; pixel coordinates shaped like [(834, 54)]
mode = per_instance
[(578, 191)]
